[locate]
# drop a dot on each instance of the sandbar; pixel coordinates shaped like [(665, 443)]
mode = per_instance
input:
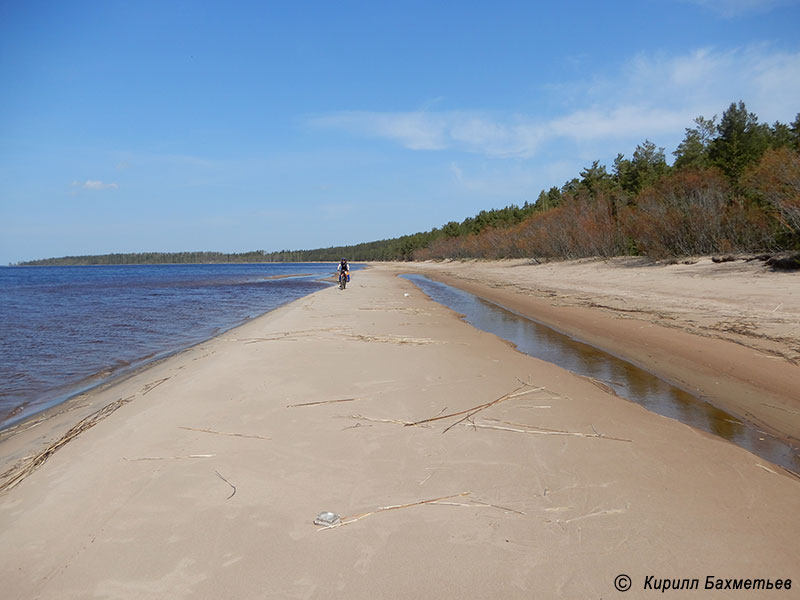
[(459, 468)]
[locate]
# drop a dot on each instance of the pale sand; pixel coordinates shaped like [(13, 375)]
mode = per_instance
[(206, 482), (728, 332)]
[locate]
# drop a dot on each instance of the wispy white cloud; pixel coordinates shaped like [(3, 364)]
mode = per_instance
[(624, 121), (414, 130), (650, 96), (766, 78), (491, 134), (737, 8), (507, 182), (91, 184)]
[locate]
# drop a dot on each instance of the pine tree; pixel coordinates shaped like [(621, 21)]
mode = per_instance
[(740, 141)]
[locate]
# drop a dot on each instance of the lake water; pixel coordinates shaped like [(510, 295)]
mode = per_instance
[(64, 329)]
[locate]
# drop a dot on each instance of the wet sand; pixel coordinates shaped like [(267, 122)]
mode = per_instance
[(461, 468), (728, 332)]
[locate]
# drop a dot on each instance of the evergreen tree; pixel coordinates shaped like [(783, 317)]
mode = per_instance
[(740, 141), (795, 129), (648, 166), (781, 136), (692, 152), (547, 200), (596, 179)]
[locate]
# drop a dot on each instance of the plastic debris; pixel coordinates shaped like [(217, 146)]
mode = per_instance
[(327, 519)]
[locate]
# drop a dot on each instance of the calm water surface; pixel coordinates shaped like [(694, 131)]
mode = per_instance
[(626, 379), (64, 329)]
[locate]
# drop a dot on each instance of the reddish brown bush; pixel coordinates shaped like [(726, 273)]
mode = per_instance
[(776, 181), (693, 212), (687, 213)]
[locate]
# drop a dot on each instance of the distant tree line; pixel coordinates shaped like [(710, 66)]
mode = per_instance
[(152, 258), (734, 186), (401, 248)]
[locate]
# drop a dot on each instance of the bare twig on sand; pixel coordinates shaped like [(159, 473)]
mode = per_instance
[(30, 424), (229, 483), (374, 420), (505, 508), (600, 513), (469, 412), (794, 412), (17, 473), (354, 518), (168, 457), (394, 339), (767, 469), (532, 429), (443, 501), (601, 384), (792, 473), (322, 402), (151, 386), (478, 503), (428, 477), (244, 435)]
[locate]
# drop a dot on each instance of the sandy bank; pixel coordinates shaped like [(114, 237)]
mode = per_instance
[(204, 481), (728, 332)]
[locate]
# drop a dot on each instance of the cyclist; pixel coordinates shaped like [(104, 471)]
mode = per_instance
[(344, 271)]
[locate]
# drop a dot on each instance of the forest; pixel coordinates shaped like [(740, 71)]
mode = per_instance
[(733, 187)]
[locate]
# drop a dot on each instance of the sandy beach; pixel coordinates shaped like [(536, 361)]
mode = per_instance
[(460, 467), (728, 332)]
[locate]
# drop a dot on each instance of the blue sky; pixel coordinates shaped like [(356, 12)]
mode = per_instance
[(235, 126)]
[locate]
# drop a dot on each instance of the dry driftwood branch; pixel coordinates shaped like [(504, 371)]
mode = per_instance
[(354, 518), (229, 483), (30, 424), (374, 420), (244, 435), (600, 513), (467, 417), (322, 402), (476, 503), (469, 412), (601, 384), (428, 477), (151, 386), (794, 412), (168, 457), (15, 476), (547, 432), (482, 503), (536, 427), (476, 409), (792, 473), (471, 503)]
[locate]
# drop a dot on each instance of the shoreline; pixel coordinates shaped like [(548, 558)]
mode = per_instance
[(459, 466), (45, 402), (85, 401), (756, 384)]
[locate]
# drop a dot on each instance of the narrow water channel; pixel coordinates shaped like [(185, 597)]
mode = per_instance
[(626, 379)]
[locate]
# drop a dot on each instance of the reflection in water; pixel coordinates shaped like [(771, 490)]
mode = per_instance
[(626, 379)]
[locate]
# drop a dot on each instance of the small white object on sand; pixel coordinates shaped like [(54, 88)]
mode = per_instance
[(327, 519)]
